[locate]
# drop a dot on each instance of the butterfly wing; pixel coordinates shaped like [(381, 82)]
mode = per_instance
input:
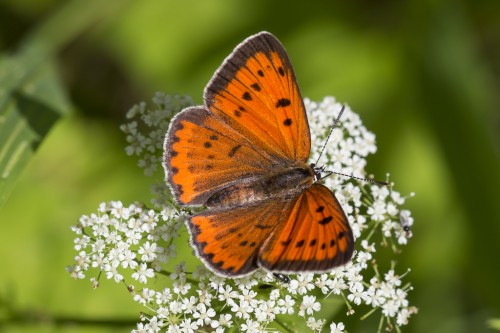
[(256, 124), (204, 155), (256, 93), (315, 236), (228, 241)]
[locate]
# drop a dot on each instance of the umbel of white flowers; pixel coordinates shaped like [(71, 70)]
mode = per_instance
[(134, 244)]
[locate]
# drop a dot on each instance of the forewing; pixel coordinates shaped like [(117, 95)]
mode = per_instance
[(203, 155), (315, 237), (256, 93), (228, 241)]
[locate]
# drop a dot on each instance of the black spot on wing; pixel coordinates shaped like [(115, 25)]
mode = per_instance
[(233, 150), (326, 220), (283, 102), (285, 243), (255, 87)]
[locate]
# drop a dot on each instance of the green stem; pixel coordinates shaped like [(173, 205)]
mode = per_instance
[(368, 314), (380, 324)]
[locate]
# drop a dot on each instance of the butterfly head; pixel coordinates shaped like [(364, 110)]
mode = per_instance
[(319, 171)]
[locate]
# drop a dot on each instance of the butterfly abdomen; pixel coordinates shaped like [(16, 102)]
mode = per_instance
[(290, 181)]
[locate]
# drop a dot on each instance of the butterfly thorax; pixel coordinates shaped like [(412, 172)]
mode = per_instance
[(287, 182)]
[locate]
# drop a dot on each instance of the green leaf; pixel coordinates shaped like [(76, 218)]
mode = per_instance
[(31, 101), (32, 98)]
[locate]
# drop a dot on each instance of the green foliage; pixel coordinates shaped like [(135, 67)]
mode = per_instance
[(32, 101)]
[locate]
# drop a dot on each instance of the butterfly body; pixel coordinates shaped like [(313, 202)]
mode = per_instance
[(243, 155), (288, 182)]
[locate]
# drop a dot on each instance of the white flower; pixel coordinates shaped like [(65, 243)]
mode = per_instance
[(82, 260), (266, 311), (189, 304), (373, 297), (163, 297), (250, 326), (203, 314), (181, 287), (118, 211), (249, 296), (226, 293), (188, 326), (175, 306), (309, 305), (127, 259), (390, 308), (357, 293), (143, 273), (146, 296), (337, 328), (179, 272), (404, 314), (368, 247), (302, 284), (224, 320), (112, 273), (155, 324), (242, 309), (315, 324), (147, 251), (287, 305), (400, 297), (324, 283), (392, 278), (377, 211), (363, 258)]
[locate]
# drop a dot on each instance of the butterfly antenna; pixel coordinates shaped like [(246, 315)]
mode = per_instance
[(330, 134), (321, 169), (373, 181)]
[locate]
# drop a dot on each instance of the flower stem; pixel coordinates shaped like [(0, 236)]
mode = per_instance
[(368, 314)]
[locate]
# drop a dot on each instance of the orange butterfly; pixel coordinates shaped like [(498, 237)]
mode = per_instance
[(244, 156)]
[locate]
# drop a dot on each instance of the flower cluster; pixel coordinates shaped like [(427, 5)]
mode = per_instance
[(133, 244)]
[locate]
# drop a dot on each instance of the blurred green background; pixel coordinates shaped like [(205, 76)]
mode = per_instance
[(423, 75)]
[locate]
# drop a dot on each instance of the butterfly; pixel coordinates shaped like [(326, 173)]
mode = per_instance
[(243, 155)]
